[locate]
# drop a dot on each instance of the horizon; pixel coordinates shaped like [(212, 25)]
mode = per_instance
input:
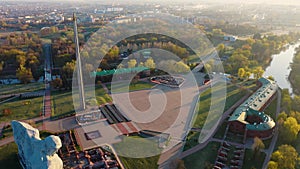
[(268, 2)]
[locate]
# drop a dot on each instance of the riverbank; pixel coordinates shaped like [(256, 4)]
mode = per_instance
[(280, 67), (294, 76)]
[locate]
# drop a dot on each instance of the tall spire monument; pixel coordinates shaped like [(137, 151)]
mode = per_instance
[(79, 71)]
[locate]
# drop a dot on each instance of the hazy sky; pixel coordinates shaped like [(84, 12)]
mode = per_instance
[(283, 2)]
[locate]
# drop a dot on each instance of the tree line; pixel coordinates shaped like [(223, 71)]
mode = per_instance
[(20, 56)]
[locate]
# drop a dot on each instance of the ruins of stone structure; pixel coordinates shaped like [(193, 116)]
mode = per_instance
[(35, 153)]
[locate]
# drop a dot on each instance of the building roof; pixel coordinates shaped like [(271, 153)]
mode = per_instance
[(253, 104), (258, 99), (242, 113)]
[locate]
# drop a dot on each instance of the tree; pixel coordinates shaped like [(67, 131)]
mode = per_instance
[(24, 74), (241, 73), (1, 66), (258, 72), (57, 83), (131, 63), (282, 116), (67, 73), (257, 146), (286, 157), (247, 75), (150, 63), (217, 32), (271, 78), (290, 129), (272, 165), (208, 68), (141, 64), (181, 67), (21, 59), (236, 60), (221, 49)]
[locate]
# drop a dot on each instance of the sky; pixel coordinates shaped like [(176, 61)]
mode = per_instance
[(278, 2)]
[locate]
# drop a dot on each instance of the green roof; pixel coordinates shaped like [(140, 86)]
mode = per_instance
[(118, 71), (266, 124), (253, 104)]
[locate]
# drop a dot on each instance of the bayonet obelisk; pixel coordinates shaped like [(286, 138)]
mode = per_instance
[(79, 71)]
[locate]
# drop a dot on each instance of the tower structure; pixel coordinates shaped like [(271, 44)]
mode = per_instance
[(79, 66)]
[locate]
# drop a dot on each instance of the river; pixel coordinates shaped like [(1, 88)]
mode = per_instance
[(280, 67)]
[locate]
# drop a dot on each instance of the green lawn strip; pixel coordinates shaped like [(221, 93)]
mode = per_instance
[(135, 146), (271, 109), (20, 88), (22, 109), (191, 140), (202, 158), (138, 163), (233, 95), (9, 157), (221, 131), (123, 87), (251, 161), (63, 100)]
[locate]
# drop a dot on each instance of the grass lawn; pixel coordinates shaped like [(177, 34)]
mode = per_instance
[(22, 109), (191, 140), (272, 108), (202, 158), (62, 101), (9, 158), (123, 87), (233, 95), (253, 162), (221, 131), (138, 163), (129, 148), (20, 88)]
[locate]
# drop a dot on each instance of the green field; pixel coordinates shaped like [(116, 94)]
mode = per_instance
[(138, 163), (135, 147), (202, 158), (62, 101), (9, 158), (21, 88), (21, 109), (251, 162), (123, 87), (272, 108), (234, 94)]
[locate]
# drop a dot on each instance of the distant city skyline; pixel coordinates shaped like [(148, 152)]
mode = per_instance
[(273, 2)]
